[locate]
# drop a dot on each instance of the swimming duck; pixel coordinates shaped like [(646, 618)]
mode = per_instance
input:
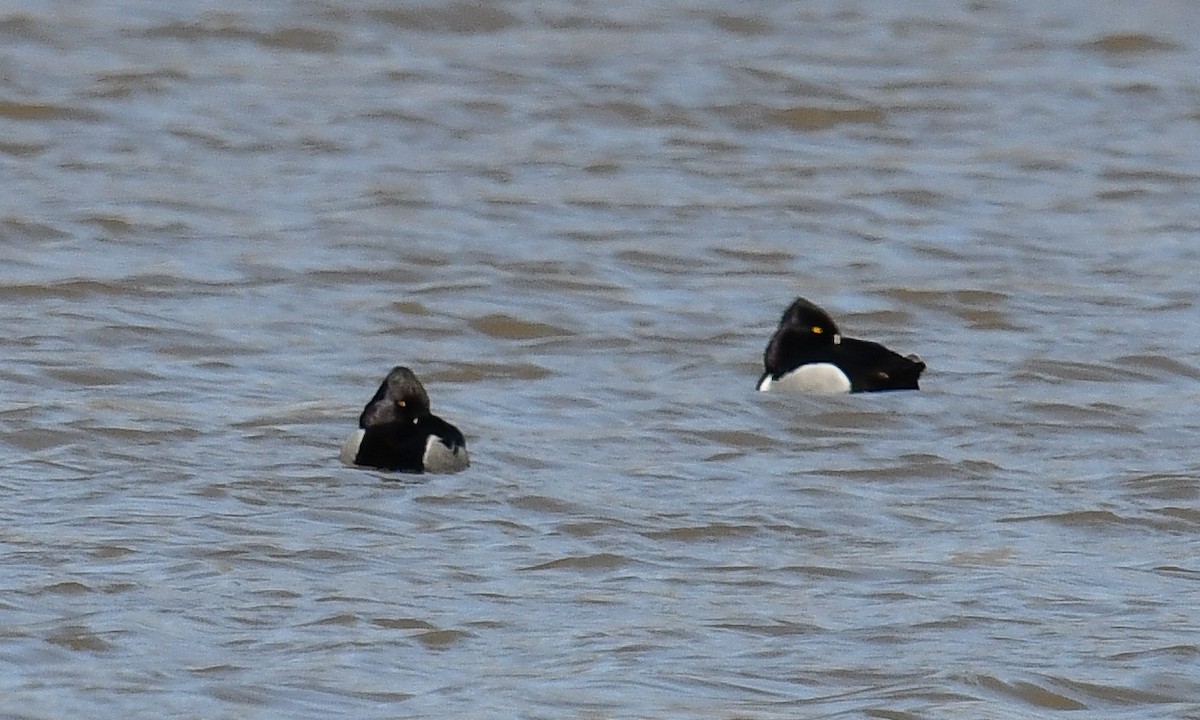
[(807, 352), (397, 431)]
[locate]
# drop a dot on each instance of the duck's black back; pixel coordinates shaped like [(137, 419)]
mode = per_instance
[(401, 445), (871, 367)]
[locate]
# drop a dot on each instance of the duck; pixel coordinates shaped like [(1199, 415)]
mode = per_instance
[(397, 431), (808, 352)]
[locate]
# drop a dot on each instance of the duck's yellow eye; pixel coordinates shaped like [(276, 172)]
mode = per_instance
[(399, 403), (817, 329)]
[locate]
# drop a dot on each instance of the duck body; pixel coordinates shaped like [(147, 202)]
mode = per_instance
[(397, 431), (808, 353)]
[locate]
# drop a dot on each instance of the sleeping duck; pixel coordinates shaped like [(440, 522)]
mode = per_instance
[(807, 352)]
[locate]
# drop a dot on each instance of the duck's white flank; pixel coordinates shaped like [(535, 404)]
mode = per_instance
[(350, 447), (441, 459), (814, 377)]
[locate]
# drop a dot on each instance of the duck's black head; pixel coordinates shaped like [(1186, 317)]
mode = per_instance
[(803, 328), (400, 397)]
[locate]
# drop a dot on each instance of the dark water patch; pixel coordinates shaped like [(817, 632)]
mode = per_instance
[(843, 421), (913, 197), (79, 288), (1170, 520), (478, 371), (523, 459), (217, 670), (939, 469), (803, 118), (403, 624), (400, 196), (819, 572), (38, 440), (1029, 693), (336, 620), (1092, 414), (982, 309), (1149, 366), (120, 85), (738, 439), (241, 695), (1183, 652), (412, 272), (454, 17), (300, 38), (1148, 175), (216, 29), (442, 639), (586, 528), (289, 38), (1164, 486), (632, 113), (507, 327), (565, 284), (15, 227), (544, 504), (1122, 194), (704, 533), (47, 112), (587, 563), (1128, 43), (568, 17), (111, 552), (26, 26), (214, 140), (1187, 517), (118, 226), (670, 264), (779, 628), (757, 256), (1106, 694), (1176, 571), (1048, 370), (66, 588), (743, 25), (100, 376), (79, 638), (21, 150)]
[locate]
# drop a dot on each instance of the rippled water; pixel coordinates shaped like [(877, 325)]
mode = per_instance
[(579, 222)]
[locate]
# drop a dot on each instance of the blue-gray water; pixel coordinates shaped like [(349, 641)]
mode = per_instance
[(220, 224)]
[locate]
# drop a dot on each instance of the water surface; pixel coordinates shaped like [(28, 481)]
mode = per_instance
[(579, 223)]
